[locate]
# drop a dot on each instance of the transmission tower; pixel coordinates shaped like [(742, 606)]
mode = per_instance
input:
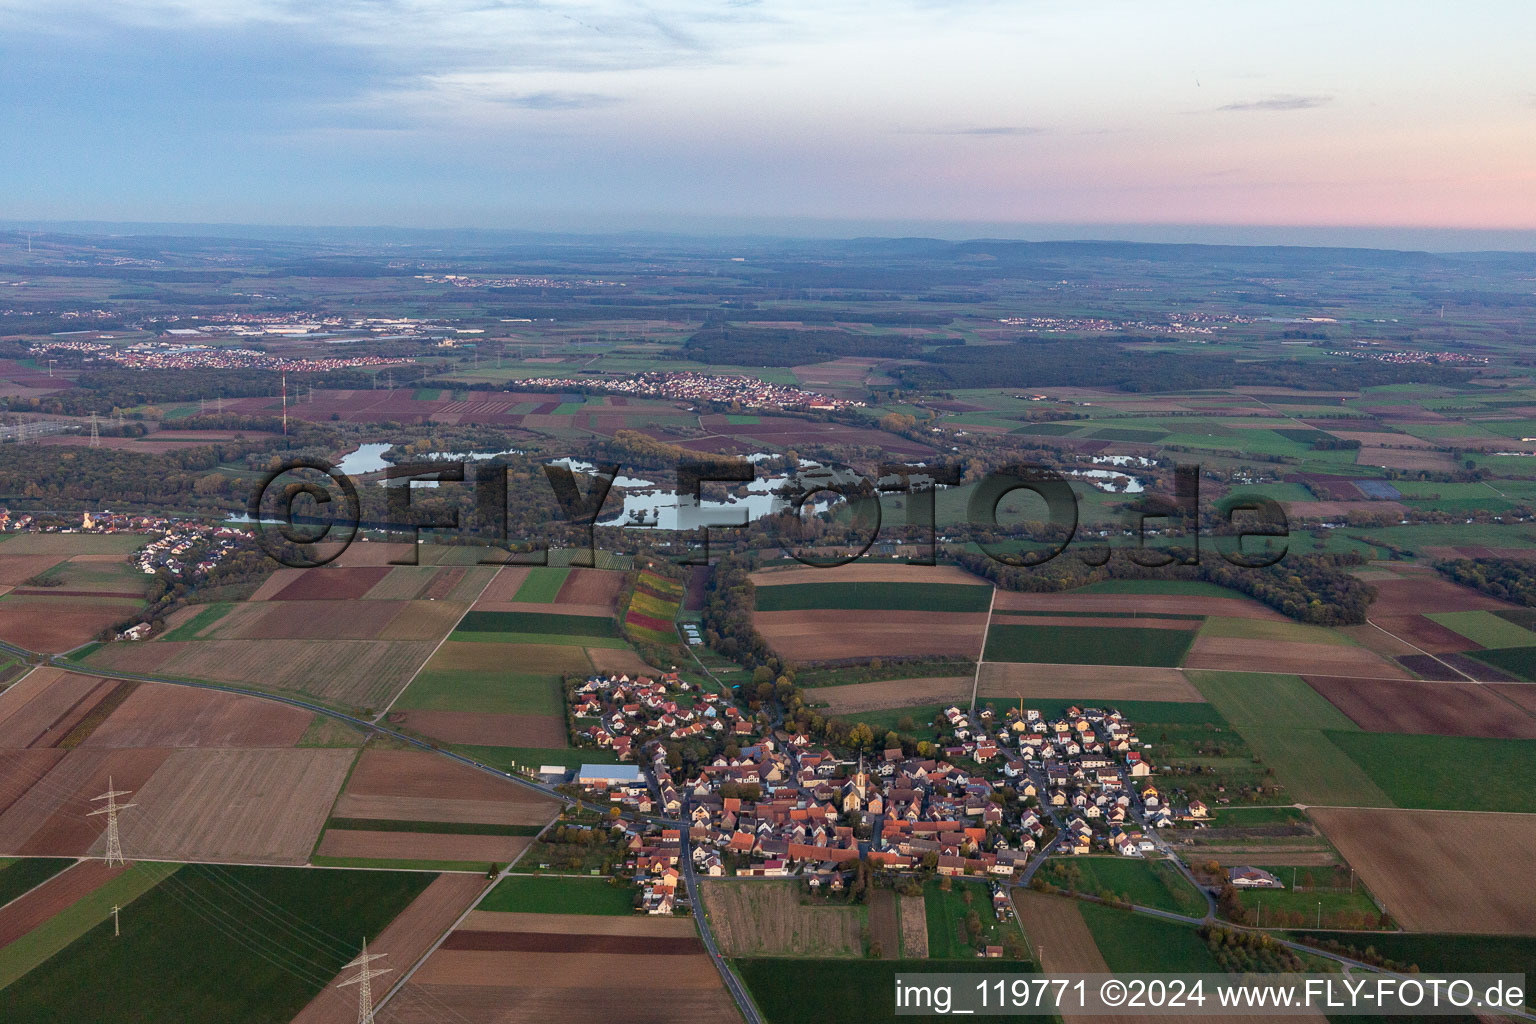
[(363, 981), (114, 843), (95, 432)]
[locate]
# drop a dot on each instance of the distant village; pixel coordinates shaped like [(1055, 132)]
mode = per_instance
[(992, 795), (691, 386), (162, 355)]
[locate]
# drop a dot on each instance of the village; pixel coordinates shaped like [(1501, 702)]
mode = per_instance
[(690, 386), (991, 801)]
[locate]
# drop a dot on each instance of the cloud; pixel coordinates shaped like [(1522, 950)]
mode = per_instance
[(1287, 102), (560, 100)]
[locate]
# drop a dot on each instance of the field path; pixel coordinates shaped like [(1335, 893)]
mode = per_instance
[(468, 607), (981, 655)]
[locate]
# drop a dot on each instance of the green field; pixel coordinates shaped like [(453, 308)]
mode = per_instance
[(1289, 725), (205, 617), (1485, 628), (491, 693), (505, 758), (1314, 769), (946, 913), (1289, 901), (1268, 700), (1514, 954), (19, 876), (58, 932), (542, 585), (215, 944), (1135, 942), (799, 991), (536, 622), (1270, 629), (1519, 662), (555, 894), (1146, 883), (1447, 772), (944, 597), (1088, 645)]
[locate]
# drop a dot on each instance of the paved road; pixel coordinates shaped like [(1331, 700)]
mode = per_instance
[(732, 982)]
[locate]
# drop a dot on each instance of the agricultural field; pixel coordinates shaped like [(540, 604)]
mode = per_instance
[(412, 785), (1145, 883), (773, 918), (1441, 871), (950, 935), (527, 967), (653, 608), (1291, 730), (169, 964), (798, 991), (1087, 645)]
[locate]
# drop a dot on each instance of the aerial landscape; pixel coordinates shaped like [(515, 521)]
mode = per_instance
[(584, 615)]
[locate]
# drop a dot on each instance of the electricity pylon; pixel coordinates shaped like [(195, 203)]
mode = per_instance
[(114, 843), (95, 432), (363, 981)]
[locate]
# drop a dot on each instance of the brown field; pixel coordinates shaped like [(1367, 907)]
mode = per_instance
[(580, 924), (58, 893), (1084, 682), (305, 620), (161, 715), (465, 656), (415, 785), (618, 660), (892, 693), (421, 846), (50, 818), (53, 625), (17, 569), (591, 587), (276, 583), (329, 583), (804, 636), (574, 988), (1236, 654), (884, 925), (601, 611), (402, 583), (1442, 871), (405, 940), (1123, 622), (767, 919), (21, 769), (424, 620), (42, 708), (1053, 922), (360, 673), (504, 585), (570, 942), (260, 806), (1417, 592), (866, 572), (1522, 694), (485, 730), (1425, 634), (914, 927), (1397, 458), (1438, 709), (1130, 604), (371, 554)]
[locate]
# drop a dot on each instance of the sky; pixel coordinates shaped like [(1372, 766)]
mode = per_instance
[(797, 117)]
